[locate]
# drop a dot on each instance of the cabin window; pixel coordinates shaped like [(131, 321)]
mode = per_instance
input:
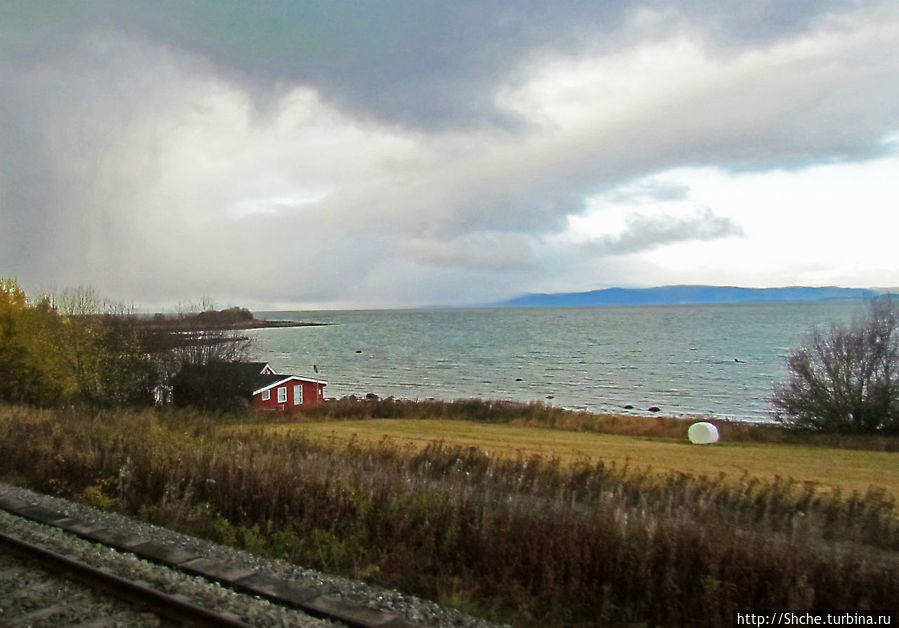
[(297, 394), (266, 395), (282, 394)]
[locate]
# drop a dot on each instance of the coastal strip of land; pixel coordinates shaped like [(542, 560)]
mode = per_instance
[(230, 319), (265, 324)]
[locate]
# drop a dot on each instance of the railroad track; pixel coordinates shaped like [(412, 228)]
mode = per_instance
[(44, 598), (30, 563)]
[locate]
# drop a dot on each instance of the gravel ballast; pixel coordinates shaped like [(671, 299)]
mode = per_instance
[(257, 611)]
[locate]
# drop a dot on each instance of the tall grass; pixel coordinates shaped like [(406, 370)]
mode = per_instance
[(530, 541)]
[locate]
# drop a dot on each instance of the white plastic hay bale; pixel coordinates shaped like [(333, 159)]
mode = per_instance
[(702, 433)]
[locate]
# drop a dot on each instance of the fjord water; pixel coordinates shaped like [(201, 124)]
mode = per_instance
[(694, 360)]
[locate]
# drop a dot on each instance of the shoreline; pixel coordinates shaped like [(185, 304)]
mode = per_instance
[(264, 324), (180, 326)]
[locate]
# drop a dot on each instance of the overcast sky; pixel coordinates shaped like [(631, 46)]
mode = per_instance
[(294, 155)]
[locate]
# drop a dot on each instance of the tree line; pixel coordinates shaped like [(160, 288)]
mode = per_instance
[(77, 348)]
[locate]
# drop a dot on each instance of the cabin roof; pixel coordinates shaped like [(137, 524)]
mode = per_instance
[(246, 377), (265, 382)]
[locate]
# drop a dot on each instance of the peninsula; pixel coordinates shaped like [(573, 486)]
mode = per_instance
[(230, 319)]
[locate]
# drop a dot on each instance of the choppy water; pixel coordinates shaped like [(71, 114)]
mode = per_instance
[(707, 360)]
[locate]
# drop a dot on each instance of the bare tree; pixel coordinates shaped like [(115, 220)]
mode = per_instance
[(212, 345), (191, 341), (845, 378)]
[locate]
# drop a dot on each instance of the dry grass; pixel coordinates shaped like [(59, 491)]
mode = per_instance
[(522, 539), (537, 414), (826, 468)]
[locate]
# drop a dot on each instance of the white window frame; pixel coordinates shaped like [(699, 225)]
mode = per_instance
[(297, 394), (266, 395), (282, 394)]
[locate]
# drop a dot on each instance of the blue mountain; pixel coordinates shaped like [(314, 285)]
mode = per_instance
[(670, 295)]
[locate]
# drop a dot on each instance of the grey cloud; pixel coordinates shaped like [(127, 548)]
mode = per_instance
[(425, 64), (643, 192), (68, 176), (437, 65), (759, 22), (798, 112), (91, 103), (644, 232), (489, 252)]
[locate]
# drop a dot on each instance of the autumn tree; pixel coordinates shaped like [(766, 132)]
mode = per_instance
[(71, 347), (99, 344), (76, 347), (26, 373), (12, 305), (12, 352), (845, 378)]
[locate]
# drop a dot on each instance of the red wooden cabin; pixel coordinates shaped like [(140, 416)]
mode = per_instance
[(232, 384), (284, 392)]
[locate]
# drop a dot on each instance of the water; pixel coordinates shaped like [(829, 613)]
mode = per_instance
[(693, 360)]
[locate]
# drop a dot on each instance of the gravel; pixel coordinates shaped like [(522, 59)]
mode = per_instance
[(259, 612), (33, 596)]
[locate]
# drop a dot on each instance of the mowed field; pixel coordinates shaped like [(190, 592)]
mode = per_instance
[(825, 468)]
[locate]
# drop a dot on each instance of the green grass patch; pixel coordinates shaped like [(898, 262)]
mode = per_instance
[(826, 468), (536, 414)]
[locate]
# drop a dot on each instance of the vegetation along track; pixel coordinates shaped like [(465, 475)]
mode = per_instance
[(48, 600)]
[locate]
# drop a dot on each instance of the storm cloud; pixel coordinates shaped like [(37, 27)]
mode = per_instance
[(374, 154), (644, 232)]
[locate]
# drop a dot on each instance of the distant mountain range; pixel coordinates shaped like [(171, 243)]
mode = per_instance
[(671, 295)]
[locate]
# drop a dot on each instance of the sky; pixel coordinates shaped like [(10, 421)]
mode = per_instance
[(382, 153)]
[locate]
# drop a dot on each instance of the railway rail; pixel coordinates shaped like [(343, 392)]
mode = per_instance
[(136, 594), (174, 608)]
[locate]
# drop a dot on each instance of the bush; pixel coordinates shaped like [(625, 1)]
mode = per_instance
[(845, 378)]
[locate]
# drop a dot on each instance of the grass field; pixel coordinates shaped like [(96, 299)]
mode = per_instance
[(638, 530), (827, 468)]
